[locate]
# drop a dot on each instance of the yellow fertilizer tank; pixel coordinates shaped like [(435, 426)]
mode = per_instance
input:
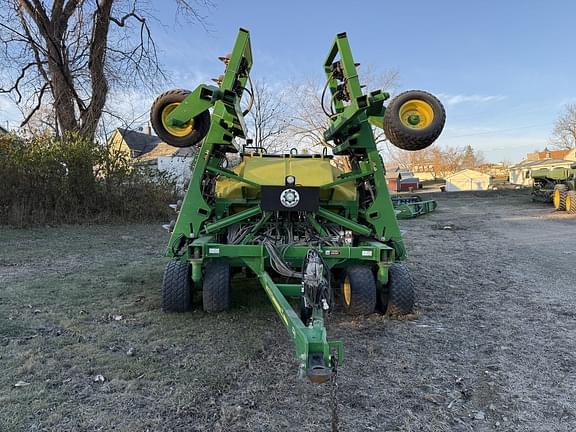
[(311, 170)]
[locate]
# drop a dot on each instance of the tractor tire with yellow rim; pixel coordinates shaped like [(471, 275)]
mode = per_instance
[(413, 120), (559, 197), (186, 136), (358, 290), (571, 202)]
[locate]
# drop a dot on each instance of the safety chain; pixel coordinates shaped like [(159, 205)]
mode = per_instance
[(334, 392)]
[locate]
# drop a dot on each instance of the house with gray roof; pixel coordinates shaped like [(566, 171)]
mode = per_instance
[(149, 150)]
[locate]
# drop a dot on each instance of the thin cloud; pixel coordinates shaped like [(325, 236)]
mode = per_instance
[(451, 100)]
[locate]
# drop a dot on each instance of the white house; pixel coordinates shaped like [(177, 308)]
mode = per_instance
[(468, 180), (147, 149), (172, 160)]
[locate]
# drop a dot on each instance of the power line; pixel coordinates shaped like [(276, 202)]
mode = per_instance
[(496, 131), (489, 113)]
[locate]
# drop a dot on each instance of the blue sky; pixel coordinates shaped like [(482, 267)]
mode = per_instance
[(503, 69)]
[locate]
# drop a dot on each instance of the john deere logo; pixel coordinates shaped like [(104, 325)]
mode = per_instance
[(289, 198)]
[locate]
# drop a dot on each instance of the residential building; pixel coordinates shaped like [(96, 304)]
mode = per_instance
[(133, 143), (547, 154), (468, 180), (400, 180), (520, 173), (149, 150), (427, 170), (497, 170), (173, 160)]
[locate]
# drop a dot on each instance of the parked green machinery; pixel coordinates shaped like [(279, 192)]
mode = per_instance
[(312, 234), (556, 185), (408, 207)]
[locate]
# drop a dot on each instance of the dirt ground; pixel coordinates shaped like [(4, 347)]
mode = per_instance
[(494, 347)]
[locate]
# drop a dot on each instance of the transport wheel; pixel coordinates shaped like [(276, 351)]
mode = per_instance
[(216, 291), (177, 287), (559, 197), (571, 202), (413, 120), (188, 135), (397, 297), (358, 290)]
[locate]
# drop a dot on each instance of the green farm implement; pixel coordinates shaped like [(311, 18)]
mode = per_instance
[(408, 207), (556, 185), (314, 235)]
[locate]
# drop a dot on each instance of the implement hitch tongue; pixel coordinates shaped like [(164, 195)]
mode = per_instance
[(316, 301), (317, 372)]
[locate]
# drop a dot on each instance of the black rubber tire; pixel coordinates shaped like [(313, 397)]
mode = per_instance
[(560, 205), (201, 121), (363, 291), (399, 293), (572, 208), (177, 287), (216, 287), (405, 137)]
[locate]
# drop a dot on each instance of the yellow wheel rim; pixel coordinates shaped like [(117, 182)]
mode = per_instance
[(556, 199), (416, 114), (347, 291), (175, 130), (568, 203)]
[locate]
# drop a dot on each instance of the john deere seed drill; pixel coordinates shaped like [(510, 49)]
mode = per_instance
[(314, 235), (557, 185)]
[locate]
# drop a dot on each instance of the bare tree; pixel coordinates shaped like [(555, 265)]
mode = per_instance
[(268, 119), (309, 120), (471, 158), (73, 52), (42, 122), (564, 133), (309, 117), (440, 161)]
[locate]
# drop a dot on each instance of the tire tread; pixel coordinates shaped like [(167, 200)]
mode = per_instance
[(201, 121), (563, 192), (363, 290), (216, 292), (572, 209), (177, 287), (412, 139), (400, 291)]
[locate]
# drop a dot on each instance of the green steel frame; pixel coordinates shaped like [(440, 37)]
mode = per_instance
[(408, 207), (197, 234), (351, 131)]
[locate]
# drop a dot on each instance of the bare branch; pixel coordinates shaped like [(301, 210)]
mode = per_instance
[(564, 133), (268, 118), (37, 107), (67, 50), (122, 21), (15, 86)]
